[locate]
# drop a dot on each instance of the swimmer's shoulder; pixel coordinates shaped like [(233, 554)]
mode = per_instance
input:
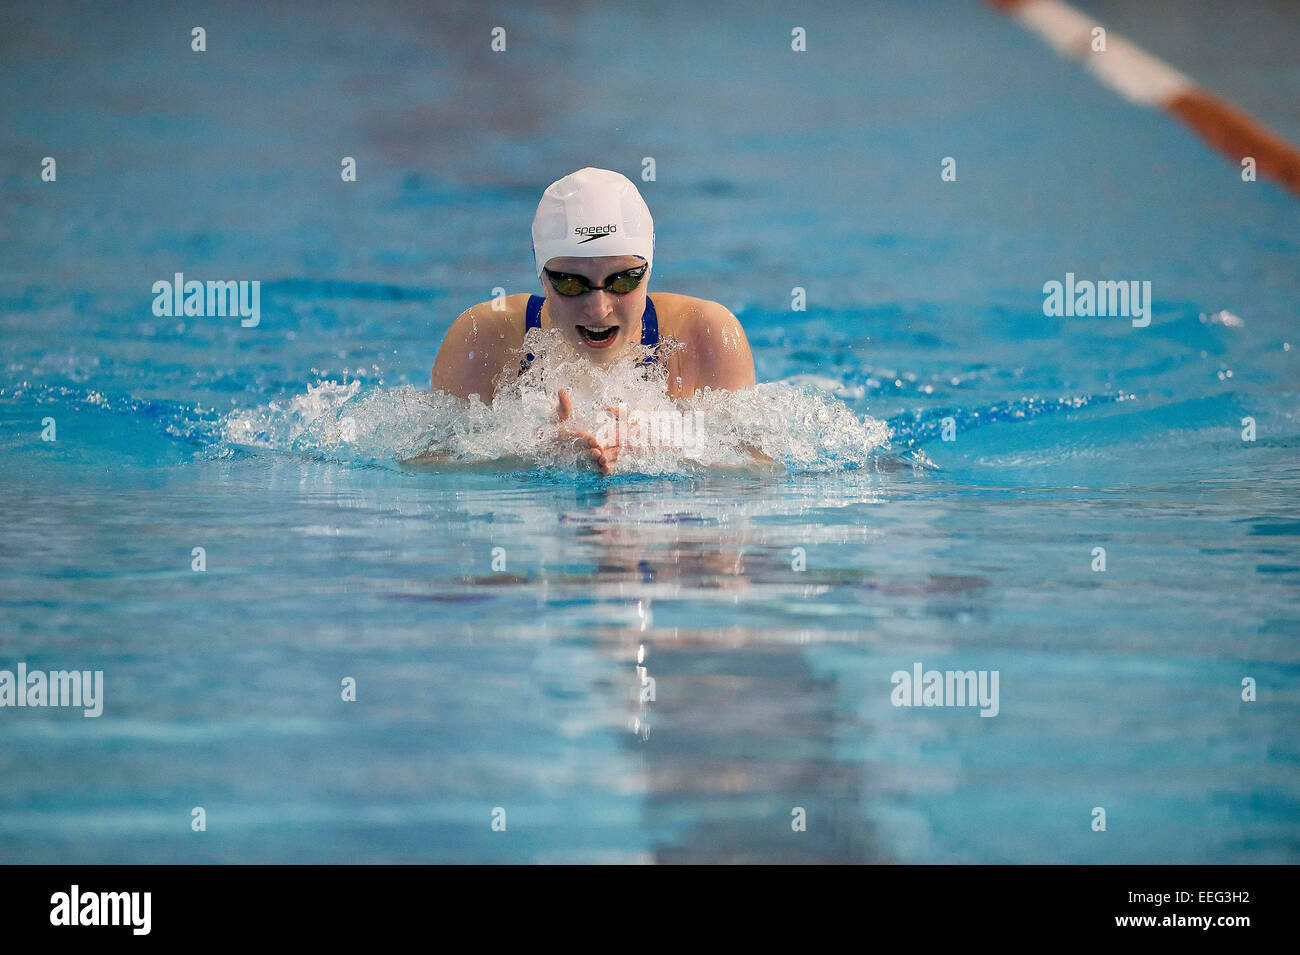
[(695, 321), (500, 320), (687, 314), (479, 342), (717, 352)]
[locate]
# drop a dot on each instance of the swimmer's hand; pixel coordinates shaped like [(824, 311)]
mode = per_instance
[(592, 452)]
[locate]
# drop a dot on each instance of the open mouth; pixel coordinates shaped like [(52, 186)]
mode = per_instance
[(598, 336)]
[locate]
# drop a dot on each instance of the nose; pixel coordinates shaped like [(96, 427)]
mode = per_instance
[(598, 304)]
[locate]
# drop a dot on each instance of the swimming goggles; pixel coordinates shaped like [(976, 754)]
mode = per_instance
[(620, 283)]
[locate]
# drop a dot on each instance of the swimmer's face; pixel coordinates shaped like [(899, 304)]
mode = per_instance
[(599, 323)]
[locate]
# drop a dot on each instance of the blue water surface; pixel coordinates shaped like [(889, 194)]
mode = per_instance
[(517, 687)]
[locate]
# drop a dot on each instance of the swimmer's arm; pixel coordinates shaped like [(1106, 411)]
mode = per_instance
[(725, 363), (757, 460), (444, 462), (473, 352), (457, 371), (447, 461), (432, 460), (590, 451), (720, 351), (461, 369)]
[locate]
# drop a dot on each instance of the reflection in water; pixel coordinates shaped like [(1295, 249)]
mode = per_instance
[(689, 625), (736, 737), (742, 753), (690, 630)]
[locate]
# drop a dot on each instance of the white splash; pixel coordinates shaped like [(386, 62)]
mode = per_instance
[(797, 426)]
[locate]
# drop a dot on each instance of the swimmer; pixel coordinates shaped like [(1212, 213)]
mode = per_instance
[(593, 248)]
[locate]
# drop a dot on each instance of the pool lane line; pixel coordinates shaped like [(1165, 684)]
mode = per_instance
[(1147, 80)]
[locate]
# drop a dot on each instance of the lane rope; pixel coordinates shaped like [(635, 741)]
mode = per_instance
[(1147, 80)]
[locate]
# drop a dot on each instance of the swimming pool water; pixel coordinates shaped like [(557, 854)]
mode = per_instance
[(517, 686)]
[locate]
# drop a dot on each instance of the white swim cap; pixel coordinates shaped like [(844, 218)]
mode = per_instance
[(592, 212)]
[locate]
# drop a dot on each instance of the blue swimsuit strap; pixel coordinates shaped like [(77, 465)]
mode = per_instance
[(649, 327)]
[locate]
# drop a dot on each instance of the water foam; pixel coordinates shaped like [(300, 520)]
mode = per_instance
[(797, 426)]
